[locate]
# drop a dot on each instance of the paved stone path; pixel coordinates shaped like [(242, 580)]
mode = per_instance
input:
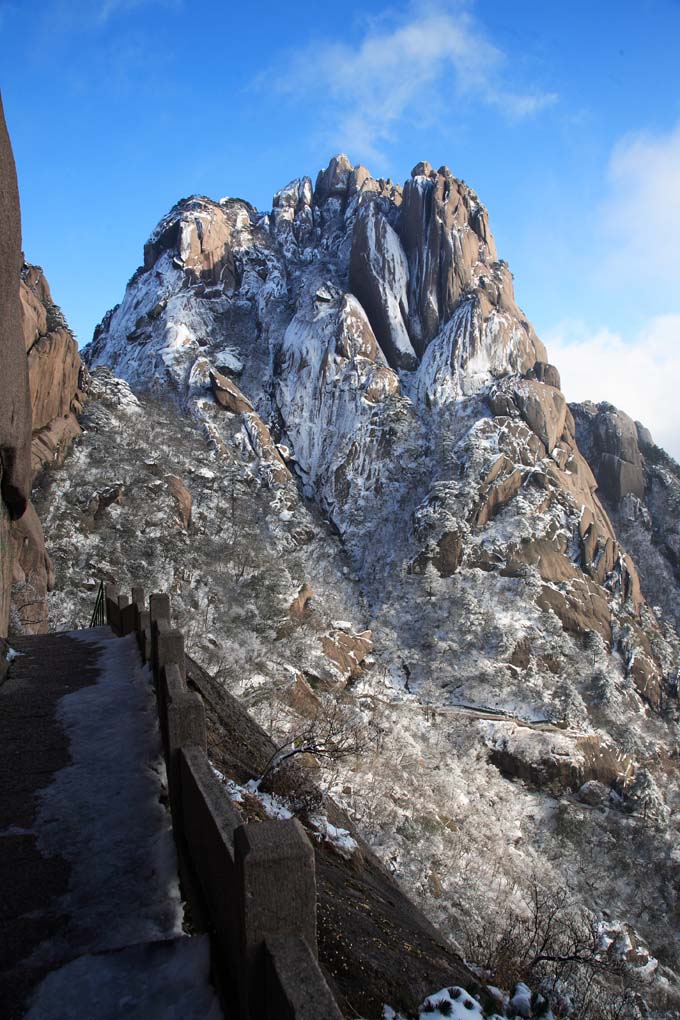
[(90, 918), (33, 747)]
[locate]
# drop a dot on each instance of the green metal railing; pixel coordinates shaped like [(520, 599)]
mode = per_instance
[(98, 616)]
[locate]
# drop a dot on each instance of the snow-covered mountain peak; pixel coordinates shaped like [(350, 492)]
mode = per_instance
[(412, 257), (372, 331)]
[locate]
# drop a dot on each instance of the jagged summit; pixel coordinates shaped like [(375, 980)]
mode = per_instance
[(413, 256), (371, 330)]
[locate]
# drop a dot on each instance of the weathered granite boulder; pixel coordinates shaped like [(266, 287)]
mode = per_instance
[(299, 606), (182, 497), (547, 374), (228, 395), (541, 405), (347, 651), (200, 240), (106, 497)]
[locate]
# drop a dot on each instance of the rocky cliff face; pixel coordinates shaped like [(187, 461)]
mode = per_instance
[(367, 385), (15, 412), (54, 371), (39, 399), (54, 376)]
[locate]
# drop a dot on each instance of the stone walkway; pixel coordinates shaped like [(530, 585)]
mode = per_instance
[(90, 909)]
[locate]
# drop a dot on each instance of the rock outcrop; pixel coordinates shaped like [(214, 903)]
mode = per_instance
[(54, 371), (228, 395), (200, 242), (56, 385), (640, 486), (182, 497), (550, 760), (347, 651), (445, 235)]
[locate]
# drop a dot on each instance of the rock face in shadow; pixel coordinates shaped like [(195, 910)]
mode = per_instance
[(15, 407), (33, 575), (379, 276), (610, 440)]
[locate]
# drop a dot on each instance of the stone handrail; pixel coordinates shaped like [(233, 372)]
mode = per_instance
[(254, 884)]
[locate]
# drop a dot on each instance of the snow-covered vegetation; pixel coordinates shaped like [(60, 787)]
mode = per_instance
[(410, 535)]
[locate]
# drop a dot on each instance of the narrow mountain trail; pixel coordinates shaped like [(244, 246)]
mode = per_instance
[(91, 914), (474, 712)]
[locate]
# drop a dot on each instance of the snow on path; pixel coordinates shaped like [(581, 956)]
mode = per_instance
[(103, 815), (156, 981)]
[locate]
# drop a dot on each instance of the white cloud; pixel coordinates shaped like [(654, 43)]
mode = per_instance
[(641, 378), (630, 264), (398, 70), (640, 218)]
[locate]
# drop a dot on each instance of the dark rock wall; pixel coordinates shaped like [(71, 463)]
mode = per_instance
[(15, 405)]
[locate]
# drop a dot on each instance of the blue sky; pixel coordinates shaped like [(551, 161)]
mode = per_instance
[(564, 117)]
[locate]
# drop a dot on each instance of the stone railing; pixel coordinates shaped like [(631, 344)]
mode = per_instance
[(253, 885)]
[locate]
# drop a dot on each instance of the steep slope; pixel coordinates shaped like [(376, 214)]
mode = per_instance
[(364, 921), (357, 353)]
